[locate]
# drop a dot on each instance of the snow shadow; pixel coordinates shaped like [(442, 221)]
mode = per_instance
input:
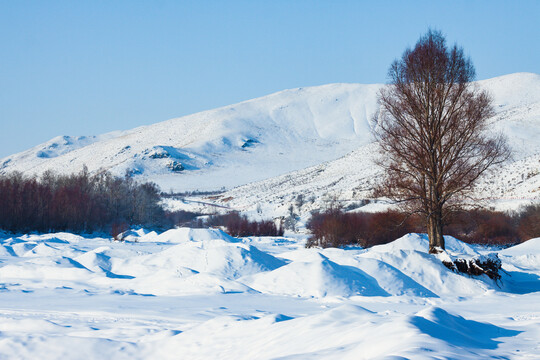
[(517, 282), (458, 331)]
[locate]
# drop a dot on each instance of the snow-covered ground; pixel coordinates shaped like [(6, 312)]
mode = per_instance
[(201, 294)]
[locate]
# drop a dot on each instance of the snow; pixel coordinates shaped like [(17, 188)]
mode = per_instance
[(318, 277), (313, 141), (351, 177), (201, 294), (258, 139)]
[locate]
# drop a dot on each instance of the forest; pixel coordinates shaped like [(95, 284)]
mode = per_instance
[(81, 202)]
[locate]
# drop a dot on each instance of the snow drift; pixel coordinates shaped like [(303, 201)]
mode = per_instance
[(200, 292)]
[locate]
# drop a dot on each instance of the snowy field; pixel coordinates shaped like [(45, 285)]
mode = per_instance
[(200, 294)]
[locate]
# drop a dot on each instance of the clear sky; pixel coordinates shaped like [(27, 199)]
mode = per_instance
[(90, 67)]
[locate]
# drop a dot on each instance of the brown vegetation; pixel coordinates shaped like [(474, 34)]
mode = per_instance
[(484, 227), (240, 226), (335, 228), (77, 202), (431, 132), (529, 222), (484, 265)]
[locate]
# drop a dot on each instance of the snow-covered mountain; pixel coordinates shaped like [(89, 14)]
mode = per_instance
[(229, 146), (516, 99), (201, 292), (310, 141)]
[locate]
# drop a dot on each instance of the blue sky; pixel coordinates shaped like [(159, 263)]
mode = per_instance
[(89, 67)]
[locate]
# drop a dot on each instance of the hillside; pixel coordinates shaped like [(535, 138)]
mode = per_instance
[(350, 178), (313, 141), (225, 147)]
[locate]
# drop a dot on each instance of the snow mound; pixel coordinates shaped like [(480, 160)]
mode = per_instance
[(101, 263), (402, 267), (420, 242), (138, 235), (389, 278), (317, 278), (6, 251), (218, 257), (529, 247), (521, 273), (203, 267), (457, 331), (42, 249), (57, 268), (200, 293), (182, 235), (426, 270), (20, 248), (522, 257), (392, 280)]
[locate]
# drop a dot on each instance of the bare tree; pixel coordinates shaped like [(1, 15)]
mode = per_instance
[(431, 130)]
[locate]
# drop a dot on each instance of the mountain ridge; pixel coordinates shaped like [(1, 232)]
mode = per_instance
[(262, 138)]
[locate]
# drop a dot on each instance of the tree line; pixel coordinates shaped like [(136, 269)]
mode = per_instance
[(240, 226), (76, 203), (233, 223), (336, 228), (85, 203)]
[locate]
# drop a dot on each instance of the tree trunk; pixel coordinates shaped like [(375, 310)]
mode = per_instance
[(435, 234)]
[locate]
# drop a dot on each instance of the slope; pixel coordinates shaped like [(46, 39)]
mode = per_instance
[(310, 141), (229, 146), (516, 99)]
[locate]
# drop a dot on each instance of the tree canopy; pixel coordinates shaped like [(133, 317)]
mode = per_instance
[(432, 132)]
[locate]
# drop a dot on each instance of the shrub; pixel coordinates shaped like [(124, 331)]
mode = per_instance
[(529, 222), (240, 226), (335, 228), (183, 218), (484, 227), (76, 202)]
